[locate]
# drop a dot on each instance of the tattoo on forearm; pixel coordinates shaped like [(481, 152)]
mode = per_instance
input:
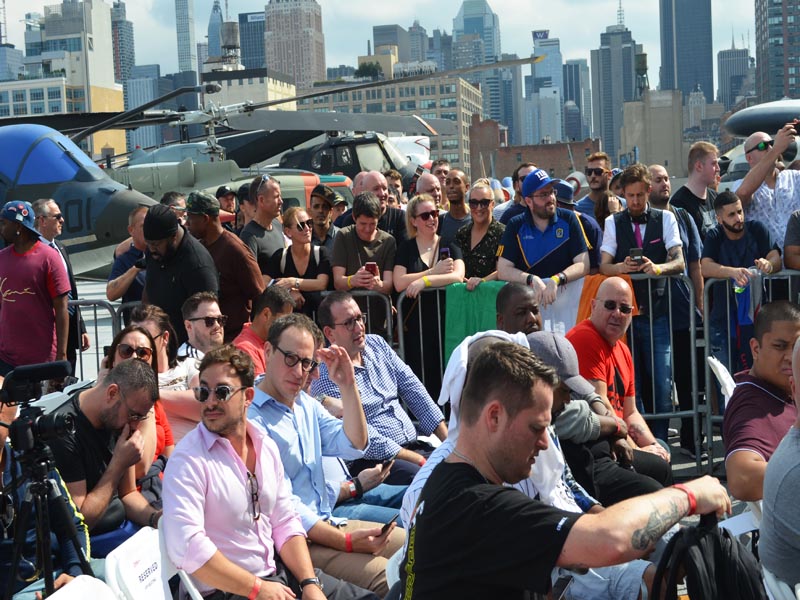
[(636, 432), (657, 525)]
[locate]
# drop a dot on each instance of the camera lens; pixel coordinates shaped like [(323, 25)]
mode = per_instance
[(53, 426)]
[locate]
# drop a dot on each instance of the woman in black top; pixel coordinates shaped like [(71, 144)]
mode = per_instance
[(480, 238)]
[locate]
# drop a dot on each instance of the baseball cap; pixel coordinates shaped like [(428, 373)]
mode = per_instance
[(202, 203), (328, 194), (243, 193), (534, 181), (556, 351), (564, 191), (20, 212), (223, 190), (616, 172)]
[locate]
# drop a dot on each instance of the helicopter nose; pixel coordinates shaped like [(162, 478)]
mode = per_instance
[(112, 222)]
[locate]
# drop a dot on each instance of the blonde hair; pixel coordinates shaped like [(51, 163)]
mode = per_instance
[(290, 216), (411, 209), (482, 184)]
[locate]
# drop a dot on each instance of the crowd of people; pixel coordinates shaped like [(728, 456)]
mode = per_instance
[(256, 408)]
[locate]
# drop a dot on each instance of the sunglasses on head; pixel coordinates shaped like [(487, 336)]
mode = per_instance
[(589, 171), (762, 146), (302, 225), (211, 321), (479, 203), (142, 352), (222, 392), (611, 306), (431, 214)]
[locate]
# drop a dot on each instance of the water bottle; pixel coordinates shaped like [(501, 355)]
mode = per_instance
[(737, 289)]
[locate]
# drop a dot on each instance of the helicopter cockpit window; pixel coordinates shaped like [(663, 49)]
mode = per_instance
[(316, 160), (371, 158), (343, 157), (47, 163)]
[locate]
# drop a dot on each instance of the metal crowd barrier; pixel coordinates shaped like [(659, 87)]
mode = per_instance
[(424, 330), (383, 299), (97, 326)]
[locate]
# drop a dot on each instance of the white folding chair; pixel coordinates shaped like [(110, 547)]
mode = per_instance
[(777, 589), (169, 570), (85, 586), (726, 382)]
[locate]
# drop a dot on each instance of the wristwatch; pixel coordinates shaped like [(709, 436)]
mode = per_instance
[(311, 581), (529, 280)]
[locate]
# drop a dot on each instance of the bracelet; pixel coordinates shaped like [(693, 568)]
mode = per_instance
[(562, 278), (427, 281), (297, 283), (556, 279), (690, 494), (256, 588), (422, 462), (348, 542), (153, 520), (529, 280), (349, 285), (352, 487), (358, 486), (619, 427), (657, 269)]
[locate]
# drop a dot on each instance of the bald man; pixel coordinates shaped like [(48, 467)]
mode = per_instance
[(429, 184), (392, 220), (768, 194)]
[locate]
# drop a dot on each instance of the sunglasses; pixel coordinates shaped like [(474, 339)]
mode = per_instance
[(761, 146), (253, 482), (594, 171), (58, 217), (479, 203), (142, 352), (211, 321), (611, 306), (303, 225), (431, 214), (291, 359), (222, 392)]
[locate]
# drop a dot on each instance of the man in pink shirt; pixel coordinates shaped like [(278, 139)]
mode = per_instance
[(229, 516), (274, 302)]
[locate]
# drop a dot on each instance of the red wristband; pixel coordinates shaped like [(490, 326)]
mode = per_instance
[(691, 496), (422, 462), (352, 486), (619, 427), (348, 542), (256, 588)]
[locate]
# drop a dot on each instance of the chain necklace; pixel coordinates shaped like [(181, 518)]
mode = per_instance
[(470, 462)]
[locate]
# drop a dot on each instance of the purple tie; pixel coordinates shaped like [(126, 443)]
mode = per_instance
[(638, 234)]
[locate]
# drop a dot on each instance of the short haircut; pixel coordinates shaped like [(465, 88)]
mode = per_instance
[(636, 173), (151, 312), (699, 151), (515, 175), (507, 293), (274, 298), (411, 211), (393, 174), (441, 162), (506, 372), (134, 213), (325, 310), (595, 156), (781, 310), (133, 375), (40, 206), (366, 204), (112, 351), (725, 198), (298, 320), (171, 198), (193, 302), (232, 356)]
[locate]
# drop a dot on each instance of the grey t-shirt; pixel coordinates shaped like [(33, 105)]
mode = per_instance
[(263, 243), (779, 545), (792, 230), (450, 226)]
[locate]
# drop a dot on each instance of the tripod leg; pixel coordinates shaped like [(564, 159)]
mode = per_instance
[(43, 544), (20, 533), (63, 524)]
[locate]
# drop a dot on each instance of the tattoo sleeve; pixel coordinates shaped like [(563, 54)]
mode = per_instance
[(657, 524), (675, 264)]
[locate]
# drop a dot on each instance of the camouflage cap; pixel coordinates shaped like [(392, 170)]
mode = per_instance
[(202, 203), (328, 194)]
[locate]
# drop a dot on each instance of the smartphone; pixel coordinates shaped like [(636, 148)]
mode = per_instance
[(385, 528), (372, 267), (387, 462), (444, 253), (636, 255), (106, 350), (561, 586)]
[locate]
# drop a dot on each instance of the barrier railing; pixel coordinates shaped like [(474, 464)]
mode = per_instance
[(427, 353), (97, 327), (371, 319)]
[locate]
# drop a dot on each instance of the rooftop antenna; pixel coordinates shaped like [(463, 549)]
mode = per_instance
[(733, 40), (227, 14), (3, 26), (620, 14)]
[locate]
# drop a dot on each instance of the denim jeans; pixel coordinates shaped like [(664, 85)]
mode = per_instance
[(379, 505), (655, 363)]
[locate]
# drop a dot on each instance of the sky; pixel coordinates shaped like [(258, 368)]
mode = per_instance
[(347, 25)]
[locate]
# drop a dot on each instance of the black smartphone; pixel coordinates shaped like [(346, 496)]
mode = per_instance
[(385, 528), (444, 253), (561, 586), (636, 255), (106, 350), (387, 462)]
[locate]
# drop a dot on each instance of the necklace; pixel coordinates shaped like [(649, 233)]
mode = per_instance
[(470, 462)]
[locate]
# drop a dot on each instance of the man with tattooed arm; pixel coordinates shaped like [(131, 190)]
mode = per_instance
[(505, 411)]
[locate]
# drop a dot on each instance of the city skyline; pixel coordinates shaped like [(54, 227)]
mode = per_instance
[(348, 26)]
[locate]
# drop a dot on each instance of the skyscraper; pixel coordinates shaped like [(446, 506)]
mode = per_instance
[(440, 50), (476, 18), (184, 25), (122, 39), (392, 35), (294, 42), (251, 39), (777, 40), (417, 42), (214, 28), (732, 67), (687, 58), (550, 71), (613, 83), (577, 88)]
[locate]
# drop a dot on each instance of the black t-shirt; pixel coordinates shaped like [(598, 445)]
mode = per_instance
[(312, 299), (408, 255), (473, 539), (702, 211)]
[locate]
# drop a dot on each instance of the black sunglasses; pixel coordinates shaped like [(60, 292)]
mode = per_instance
[(479, 203), (211, 321), (251, 479), (611, 306), (762, 146), (302, 225), (594, 171), (431, 214), (291, 359), (222, 392), (142, 352)]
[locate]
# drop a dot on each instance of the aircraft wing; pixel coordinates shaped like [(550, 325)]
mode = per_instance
[(270, 120), (252, 147)]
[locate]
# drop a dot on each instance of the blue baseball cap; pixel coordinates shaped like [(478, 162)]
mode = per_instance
[(534, 181), (19, 211), (564, 192)]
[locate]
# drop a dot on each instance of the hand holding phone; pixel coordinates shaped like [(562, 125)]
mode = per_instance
[(444, 253), (372, 268), (386, 526), (636, 255)]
